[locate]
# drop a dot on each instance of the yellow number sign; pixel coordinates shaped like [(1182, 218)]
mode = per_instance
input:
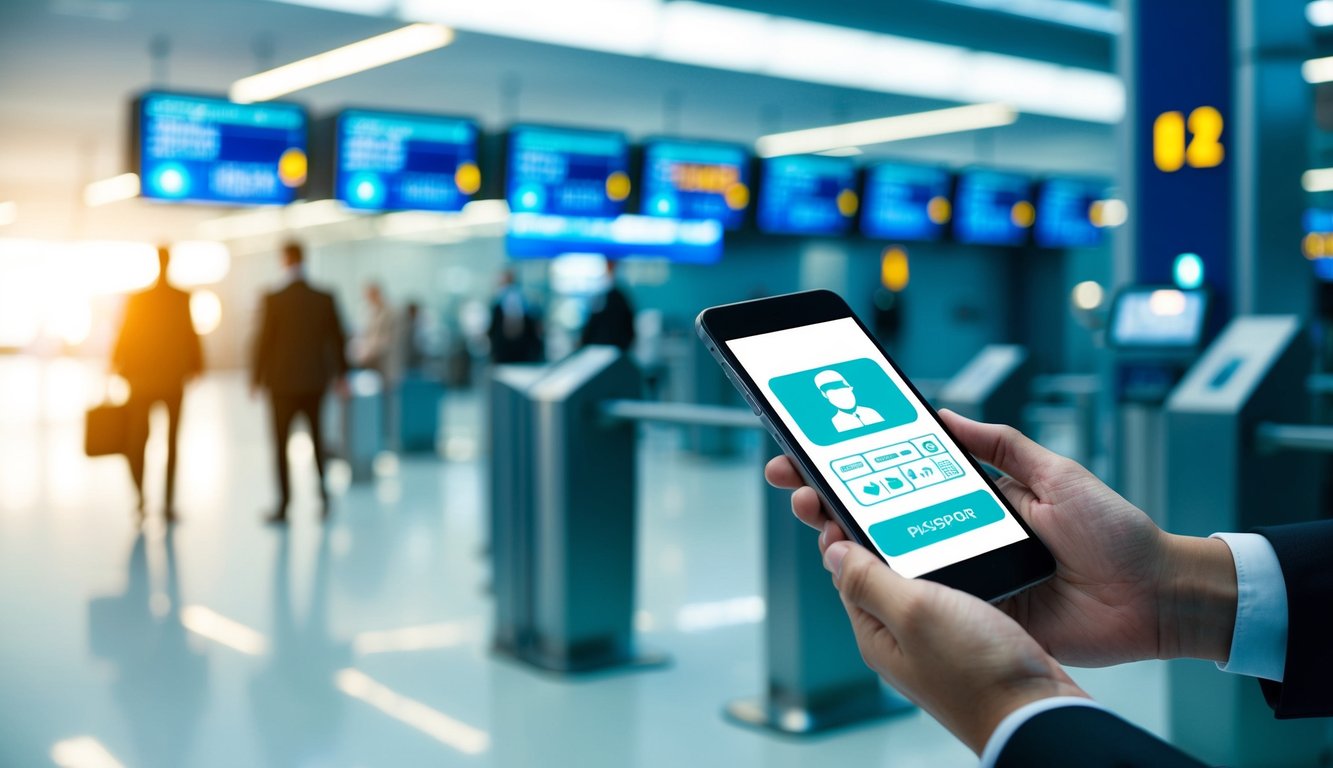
[(1196, 141)]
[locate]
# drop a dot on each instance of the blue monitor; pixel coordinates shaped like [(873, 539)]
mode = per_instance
[(395, 162), (807, 195), (204, 149), (993, 208), (1066, 213), (567, 172), (1158, 317), (906, 202), (696, 180)]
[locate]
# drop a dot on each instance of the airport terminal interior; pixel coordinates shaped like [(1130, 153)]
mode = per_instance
[(522, 519)]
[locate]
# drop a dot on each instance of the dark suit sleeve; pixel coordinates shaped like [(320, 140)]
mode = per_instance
[(263, 344), (1088, 738), (1305, 552)]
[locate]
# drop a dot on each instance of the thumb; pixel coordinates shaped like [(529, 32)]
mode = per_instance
[(868, 583)]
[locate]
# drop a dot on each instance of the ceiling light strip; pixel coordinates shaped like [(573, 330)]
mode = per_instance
[(885, 129), (360, 56)]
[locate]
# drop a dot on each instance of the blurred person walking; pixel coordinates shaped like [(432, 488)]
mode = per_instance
[(156, 352), (373, 347), (611, 316), (299, 351), (515, 331)]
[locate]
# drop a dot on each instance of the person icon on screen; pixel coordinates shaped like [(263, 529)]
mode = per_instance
[(837, 391)]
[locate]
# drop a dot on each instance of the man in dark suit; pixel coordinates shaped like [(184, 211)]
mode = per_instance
[(299, 351), (514, 333), (156, 352), (1258, 604), (611, 318)]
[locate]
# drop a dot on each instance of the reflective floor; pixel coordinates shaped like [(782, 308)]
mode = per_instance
[(223, 642)]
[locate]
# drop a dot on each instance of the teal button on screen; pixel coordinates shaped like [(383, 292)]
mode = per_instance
[(844, 400), (936, 523)]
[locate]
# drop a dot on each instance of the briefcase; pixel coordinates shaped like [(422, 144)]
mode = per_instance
[(106, 430)]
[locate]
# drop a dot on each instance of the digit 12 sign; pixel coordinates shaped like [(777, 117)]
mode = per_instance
[(1196, 141)]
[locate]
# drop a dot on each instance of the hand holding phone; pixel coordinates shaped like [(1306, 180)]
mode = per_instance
[(860, 434)]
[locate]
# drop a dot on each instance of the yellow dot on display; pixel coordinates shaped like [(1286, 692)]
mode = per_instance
[(617, 186), (939, 210), (467, 178), (1327, 249), (1023, 214), (737, 197), (894, 272), (848, 202), (1097, 213), (1312, 245), (292, 167)]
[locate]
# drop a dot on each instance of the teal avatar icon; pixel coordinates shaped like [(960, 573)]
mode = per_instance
[(837, 402)]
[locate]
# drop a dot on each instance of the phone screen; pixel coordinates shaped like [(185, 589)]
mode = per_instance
[(908, 486)]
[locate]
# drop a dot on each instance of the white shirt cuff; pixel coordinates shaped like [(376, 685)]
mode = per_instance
[(1259, 642), (1009, 725)]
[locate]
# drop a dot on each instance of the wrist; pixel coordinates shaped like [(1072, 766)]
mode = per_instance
[(997, 705), (1196, 599)]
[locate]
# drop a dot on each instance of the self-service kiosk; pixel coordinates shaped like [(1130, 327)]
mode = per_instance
[(1155, 333)]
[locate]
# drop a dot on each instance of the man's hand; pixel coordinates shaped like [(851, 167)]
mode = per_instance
[(1123, 589), (957, 657)]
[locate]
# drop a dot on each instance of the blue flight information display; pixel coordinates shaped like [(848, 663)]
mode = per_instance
[(696, 180), (1068, 213), (906, 202), (993, 208), (807, 195), (209, 150), (397, 162), (567, 172)]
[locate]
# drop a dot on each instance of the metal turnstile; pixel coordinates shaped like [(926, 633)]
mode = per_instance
[(994, 386), (1222, 473)]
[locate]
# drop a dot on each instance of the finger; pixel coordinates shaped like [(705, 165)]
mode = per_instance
[(807, 507), (864, 581), (1020, 496), (1002, 447), (781, 473), (829, 535)]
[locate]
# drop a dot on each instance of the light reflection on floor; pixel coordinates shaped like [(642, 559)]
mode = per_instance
[(222, 642)]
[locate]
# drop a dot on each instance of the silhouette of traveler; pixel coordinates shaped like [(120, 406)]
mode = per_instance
[(840, 395), (157, 352), (515, 332), (372, 347), (299, 351), (611, 319)]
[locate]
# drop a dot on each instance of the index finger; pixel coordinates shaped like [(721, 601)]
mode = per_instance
[(781, 473)]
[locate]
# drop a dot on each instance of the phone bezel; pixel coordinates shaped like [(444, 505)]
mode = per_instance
[(992, 575)]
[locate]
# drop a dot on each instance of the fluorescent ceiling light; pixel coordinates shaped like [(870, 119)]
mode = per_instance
[(1320, 13), (1318, 70), (9, 213), (1069, 13), (842, 152), (703, 34), (1317, 180), (112, 190), (886, 129), (366, 54)]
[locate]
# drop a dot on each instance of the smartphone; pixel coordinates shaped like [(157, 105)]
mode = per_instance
[(861, 435)]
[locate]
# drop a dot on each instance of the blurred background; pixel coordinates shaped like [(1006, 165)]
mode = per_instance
[(1065, 215)]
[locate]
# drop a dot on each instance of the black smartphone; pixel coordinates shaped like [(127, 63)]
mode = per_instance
[(887, 469)]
